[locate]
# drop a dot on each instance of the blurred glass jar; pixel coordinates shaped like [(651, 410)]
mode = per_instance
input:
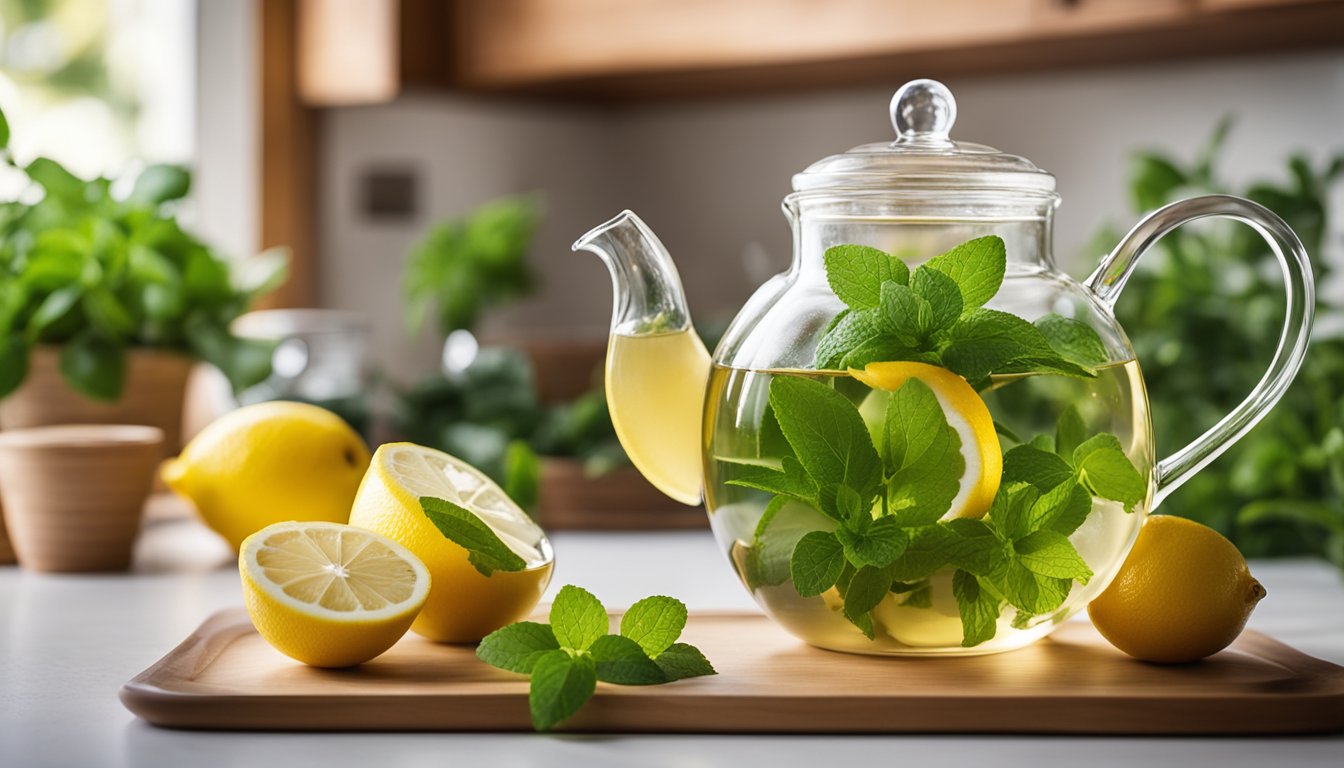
[(320, 358)]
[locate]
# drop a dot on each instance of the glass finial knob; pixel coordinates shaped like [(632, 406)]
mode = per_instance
[(923, 111)]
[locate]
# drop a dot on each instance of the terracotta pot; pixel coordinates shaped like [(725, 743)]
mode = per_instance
[(156, 383), (73, 495), (619, 500)]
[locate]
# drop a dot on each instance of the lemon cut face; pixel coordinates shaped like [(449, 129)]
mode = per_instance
[(967, 414), (330, 595), (416, 471), (463, 605)]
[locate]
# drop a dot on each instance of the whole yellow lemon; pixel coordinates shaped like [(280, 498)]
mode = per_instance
[(270, 463), (1183, 593)]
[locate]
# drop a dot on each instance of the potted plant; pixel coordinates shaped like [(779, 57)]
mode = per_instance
[(106, 301)]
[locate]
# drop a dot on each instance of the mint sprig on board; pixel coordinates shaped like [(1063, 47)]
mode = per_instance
[(486, 552), (936, 315), (567, 658)]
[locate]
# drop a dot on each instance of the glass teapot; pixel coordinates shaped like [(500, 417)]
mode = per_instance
[(922, 438)]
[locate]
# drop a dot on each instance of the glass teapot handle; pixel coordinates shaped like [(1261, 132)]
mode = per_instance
[(1116, 268)]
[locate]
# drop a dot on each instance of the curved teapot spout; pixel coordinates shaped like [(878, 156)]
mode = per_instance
[(657, 367)]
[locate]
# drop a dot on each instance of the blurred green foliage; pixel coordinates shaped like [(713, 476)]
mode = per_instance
[(489, 416), (97, 274), (1205, 316), (465, 265)]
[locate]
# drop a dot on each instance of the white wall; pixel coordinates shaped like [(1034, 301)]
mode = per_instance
[(465, 153), (708, 177), (227, 166)]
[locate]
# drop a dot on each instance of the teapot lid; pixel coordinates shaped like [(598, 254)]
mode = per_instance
[(923, 156)]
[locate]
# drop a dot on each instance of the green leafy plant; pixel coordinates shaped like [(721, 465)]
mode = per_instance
[(1204, 316), (567, 658), (464, 265), (490, 416), (865, 516), (97, 274)]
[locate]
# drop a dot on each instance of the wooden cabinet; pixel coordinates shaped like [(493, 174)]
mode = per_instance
[(646, 49)]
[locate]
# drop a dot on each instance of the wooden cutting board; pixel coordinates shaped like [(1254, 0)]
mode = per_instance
[(226, 677)]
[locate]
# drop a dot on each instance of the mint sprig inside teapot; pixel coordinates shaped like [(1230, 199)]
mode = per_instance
[(936, 315)]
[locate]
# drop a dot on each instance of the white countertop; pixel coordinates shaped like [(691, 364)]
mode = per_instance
[(69, 642)]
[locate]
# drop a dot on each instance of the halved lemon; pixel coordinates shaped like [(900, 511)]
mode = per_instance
[(330, 595), (463, 605), (967, 414)]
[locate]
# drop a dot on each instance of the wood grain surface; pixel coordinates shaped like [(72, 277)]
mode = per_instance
[(225, 677)]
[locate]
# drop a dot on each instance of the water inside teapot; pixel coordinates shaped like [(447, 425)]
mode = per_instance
[(922, 615)]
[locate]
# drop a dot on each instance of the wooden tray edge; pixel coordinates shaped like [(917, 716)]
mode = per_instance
[(1320, 712)]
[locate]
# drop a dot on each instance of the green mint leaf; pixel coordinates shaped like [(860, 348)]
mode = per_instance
[(1037, 466), (904, 318), (923, 454), (561, 685), (4, 132), (654, 623), (1010, 512), (1062, 509), (866, 589), (941, 294), (517, 647), (925, 552), (1107, 472), (772, 440), (879, 545), (486, 552), (827, 434), (681, 661), (864, 621), (1046, 553), (776, 536), (884, 348), (849, 506), (839, 317), (854, 331), (1070, 432), (1031, 592), (1044, 443), (621, 660), (577, 618), (1072, 340), (974, 547), (1096, 443), (856, 273), (979, 609), (816, 564), (792, 481), (984, 341), (919, 598), (1035, 363), (976, 266)]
